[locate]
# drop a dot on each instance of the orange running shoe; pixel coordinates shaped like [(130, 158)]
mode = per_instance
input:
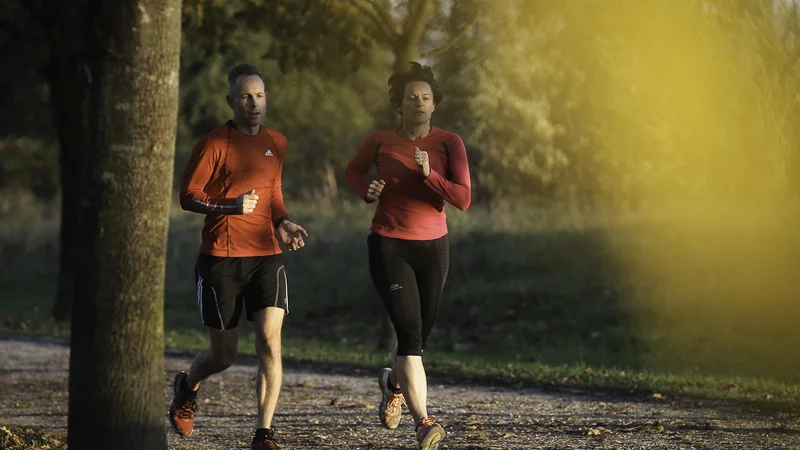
[(184, 405)]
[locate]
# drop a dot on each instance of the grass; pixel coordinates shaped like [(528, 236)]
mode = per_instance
[(17, 438), (645, 307)]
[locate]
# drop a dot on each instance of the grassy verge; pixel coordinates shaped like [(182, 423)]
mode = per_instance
[(651, 308), (17, 438)]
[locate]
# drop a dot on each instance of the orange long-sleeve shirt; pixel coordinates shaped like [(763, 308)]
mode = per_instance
[(224, 164), (411, 206)]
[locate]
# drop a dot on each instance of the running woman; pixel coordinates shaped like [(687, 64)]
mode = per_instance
[(420, 167)]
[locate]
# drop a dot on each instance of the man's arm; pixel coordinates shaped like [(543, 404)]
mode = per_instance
[(357, 168), (457, 190), (276, 206), (291, 233), (196, 176)]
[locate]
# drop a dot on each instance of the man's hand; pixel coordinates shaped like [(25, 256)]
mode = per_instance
[(247, 202), (421, 158), (292, 235), (374, 190)]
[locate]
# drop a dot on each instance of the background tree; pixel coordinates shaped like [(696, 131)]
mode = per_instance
[(116, 381), (52, 37)]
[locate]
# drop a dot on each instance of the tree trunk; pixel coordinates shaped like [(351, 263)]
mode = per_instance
[(70, 93), (66, 74), (116, 377)]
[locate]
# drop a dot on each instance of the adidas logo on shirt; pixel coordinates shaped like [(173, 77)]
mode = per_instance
[(269, 152)]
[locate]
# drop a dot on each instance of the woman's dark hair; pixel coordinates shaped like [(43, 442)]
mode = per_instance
[(418, 72)]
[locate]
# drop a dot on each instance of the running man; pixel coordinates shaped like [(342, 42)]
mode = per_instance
[(420, 167), (234, 178)]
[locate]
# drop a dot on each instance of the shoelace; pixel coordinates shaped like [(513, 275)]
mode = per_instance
[(187, 409), (426, 422), (395, 400)]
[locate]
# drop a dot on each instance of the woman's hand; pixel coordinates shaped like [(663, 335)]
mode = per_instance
[(421, 158)]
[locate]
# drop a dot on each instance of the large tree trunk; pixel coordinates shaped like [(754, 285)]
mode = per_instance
[(116, 377)]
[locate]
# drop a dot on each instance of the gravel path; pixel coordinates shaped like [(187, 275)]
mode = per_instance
[(319, 411)]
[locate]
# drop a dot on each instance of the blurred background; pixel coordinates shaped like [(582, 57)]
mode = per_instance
[(635, 165)]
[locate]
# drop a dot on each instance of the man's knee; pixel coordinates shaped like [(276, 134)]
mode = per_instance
[(224, 357), (224, 348), (268, 324), (268, 342)]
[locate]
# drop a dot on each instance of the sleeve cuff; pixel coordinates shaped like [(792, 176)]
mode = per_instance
[(433, 177), (280, 221)]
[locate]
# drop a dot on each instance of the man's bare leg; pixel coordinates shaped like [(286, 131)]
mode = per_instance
[(220, 356), (268, 323)]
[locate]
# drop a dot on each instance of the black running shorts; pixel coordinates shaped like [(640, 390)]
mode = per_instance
[(226, 284)]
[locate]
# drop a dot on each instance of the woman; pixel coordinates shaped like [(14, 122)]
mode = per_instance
[(420, 167)]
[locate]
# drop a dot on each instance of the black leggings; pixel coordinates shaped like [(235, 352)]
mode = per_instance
[(409, 276)]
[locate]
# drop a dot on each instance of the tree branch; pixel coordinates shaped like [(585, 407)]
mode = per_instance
[(419, 12), (385, 16), (385, 28), (455, 39)]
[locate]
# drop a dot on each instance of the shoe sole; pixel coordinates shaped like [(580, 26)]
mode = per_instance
[(384, 400), (432, 440)]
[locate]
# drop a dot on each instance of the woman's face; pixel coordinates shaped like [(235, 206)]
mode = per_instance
[(417, 103)]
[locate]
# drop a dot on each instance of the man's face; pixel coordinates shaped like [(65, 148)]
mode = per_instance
[(248, 100), (417, 103)]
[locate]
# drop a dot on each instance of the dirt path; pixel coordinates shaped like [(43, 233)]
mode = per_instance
[(339, 412)]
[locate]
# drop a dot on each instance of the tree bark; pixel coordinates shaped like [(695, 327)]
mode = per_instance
[(116, 378)]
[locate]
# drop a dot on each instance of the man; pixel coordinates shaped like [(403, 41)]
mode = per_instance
[(234, 178)]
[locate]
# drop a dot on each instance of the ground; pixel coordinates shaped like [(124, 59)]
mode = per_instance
[(336, 411)]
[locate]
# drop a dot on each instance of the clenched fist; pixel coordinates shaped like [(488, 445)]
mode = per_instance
[(247, 202), (421, 158), (374, 190)]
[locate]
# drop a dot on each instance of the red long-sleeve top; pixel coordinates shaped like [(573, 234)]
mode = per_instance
[(224, 164), (411, 206)]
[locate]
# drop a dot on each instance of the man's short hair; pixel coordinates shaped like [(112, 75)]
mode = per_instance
[(243, 69)]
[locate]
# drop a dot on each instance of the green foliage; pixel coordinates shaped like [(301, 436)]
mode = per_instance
[(525, 104), (567, 103), (28, 163), (325, 122)]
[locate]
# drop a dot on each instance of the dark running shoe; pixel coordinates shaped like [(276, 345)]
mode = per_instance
[(263, 440), (184, 405)]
